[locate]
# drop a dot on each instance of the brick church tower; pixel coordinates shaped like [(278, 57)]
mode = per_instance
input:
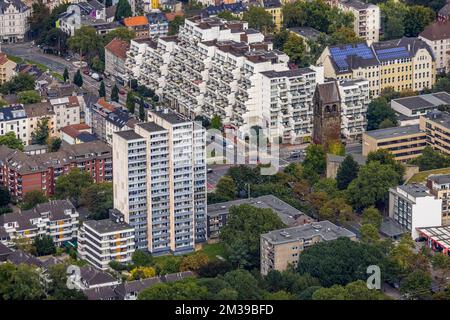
[(326, 114)]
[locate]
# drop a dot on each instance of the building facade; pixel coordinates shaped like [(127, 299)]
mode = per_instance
[(160, 182), (412, 206), (436, 125), (115, 55), (437, 36), (439, 186), (67, 111), (282, 248), (14, 24), (7, 68)]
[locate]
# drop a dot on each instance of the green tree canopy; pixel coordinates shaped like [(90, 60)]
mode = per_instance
[(372, 216), (66, 75), (226, 188), (78, 79), (20, 282), (295, 48), (11, 141), (28, 96), (18, 83), (378, 111), (356, 290), (98, 198), (123, 10), (115, 93), (71, 185), (41, 133), (241, 234), (102, 90), (175, 24), (32, 198), (44, 245), (130, 102), (258, 18), (347, 172), (430, 159), (5, 196)]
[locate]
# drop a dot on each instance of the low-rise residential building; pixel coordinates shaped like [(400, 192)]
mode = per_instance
[(14, 24), (413, 206), (282, 248), (92, 278), (56, 218), (38, 112), (139, 25), (437, 36), (411, 108), (439, 186), (217, 215), (402, 64), (7, 68), (115, 56), (158, 26), (13, 118), (67, 111), (21, 173), (77, 133), (103, 241), (404, 143), (436, 125)]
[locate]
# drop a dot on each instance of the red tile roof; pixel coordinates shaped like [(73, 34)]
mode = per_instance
[(105, 104), (436, 31), (135, 21), (171, 15), (118, 48)]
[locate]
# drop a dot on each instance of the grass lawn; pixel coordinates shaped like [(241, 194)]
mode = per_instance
[(40, 66), (212, 250), (421, 176)]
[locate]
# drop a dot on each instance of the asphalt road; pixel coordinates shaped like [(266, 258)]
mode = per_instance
[(57, 64)]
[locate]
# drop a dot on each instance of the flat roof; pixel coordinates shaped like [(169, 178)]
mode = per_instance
[(169, 116), (107, 225), (128, 135), (439, 234), (424, 101), (393, 132), (151, 126), (325, 229), (415, 189), (439, 117), (440, 178), (288, 214)]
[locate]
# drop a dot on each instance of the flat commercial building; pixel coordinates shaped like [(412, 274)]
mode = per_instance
[(404, 143), (160, 182), (218, 213), (281, 248), (437, 238), (439, 186), (413, 206)]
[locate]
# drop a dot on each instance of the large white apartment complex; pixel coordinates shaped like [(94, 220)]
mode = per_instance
[(218, 67), (13, 20), (160, 182)]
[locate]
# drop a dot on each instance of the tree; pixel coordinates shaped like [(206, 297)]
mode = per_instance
[(383, 156), (386, 123), (194, 261), (315, 159), (336, 210), (441, 263), (174, 25), (416, 285), (122, 33), (32, 198), (57, 289), (78, 79), (98, 198), (328, 186), (5, 196), (216, 123), (295, 48), (214, 268), (244, 283), (11, 141), (28, 97), (102, 90), (242, 232), (416, 19), (130, 103), (123, 10), (258, 18), (353, 291), (338, 262), (429, 159), (347, 172), (38, 19), (141, 258), (226, 188), (54, 144), (66, 75), (228, 15), (372, 216), (41, 133), (142, 109), (115, 93), (72, 184), (85, 41), (369, 234), (378, 111), (372, 185), (20, 282), (187, 289), (20, 82), (336, 147), (142, 273), (44, 245)]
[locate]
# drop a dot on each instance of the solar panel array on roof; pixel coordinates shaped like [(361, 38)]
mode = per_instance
[(392, 53), (341, 54)]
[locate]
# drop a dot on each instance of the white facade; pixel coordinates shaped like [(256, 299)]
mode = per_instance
[(14, 119), (160, 182), (354, 102), (223, 68), (414, 207), (67, 111), (14, 24), (367, 18), (103, 241)]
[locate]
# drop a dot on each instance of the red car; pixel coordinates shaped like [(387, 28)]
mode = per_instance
[(122, 92), (86, 72)]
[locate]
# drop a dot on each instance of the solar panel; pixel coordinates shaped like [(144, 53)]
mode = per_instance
[(341, 54)]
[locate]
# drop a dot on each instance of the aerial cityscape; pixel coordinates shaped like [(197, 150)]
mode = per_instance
[(224, 150)]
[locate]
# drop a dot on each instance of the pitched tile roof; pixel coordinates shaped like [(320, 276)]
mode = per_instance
[(436, 31), (135, 21), (118, 48)]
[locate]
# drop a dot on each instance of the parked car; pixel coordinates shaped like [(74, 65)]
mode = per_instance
[(122, 92), (86, 72)]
